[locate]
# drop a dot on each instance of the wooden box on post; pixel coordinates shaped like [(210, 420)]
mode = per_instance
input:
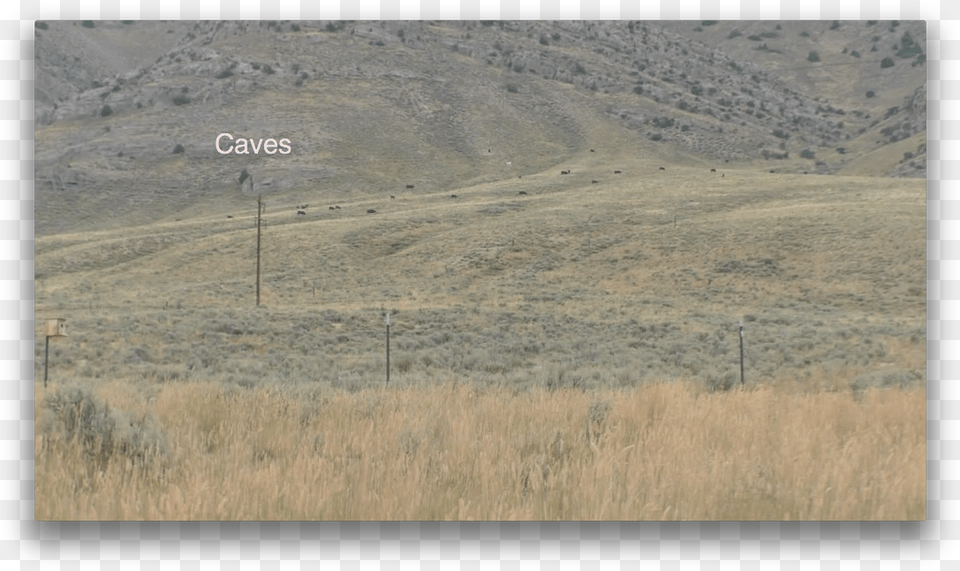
[(57, 327)]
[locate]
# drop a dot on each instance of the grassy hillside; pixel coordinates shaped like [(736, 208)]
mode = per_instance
[(641, 275)]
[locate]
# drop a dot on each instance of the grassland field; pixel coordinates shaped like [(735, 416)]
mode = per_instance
[(556, 330)]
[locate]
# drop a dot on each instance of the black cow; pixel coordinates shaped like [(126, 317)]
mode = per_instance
[(616, 172), (409, 186), (453, 196), (337, 207), (663, 168), (301, 213), (523, 192), (713, 170), (594, 181), (392, 196), (564, 172), (591, 150), (332, 208), (371, 211), (228, 216)]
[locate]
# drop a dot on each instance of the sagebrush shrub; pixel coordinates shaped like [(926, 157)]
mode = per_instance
[(75, 416)]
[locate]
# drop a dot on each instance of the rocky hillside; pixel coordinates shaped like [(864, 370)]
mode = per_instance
[(125, 128)]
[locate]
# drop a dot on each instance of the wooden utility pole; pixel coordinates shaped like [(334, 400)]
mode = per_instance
[(259, 213), (741, 352), (388, 348)]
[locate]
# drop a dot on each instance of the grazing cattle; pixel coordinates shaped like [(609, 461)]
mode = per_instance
[(392, 196), (337, 207), (713, 170), (594, 181), (663, 168), (564, 172), (453, 196), (591, 150), (301, 213), (228, 216), (771, 172), (332, 208), (522, 192), (371, 211), (409, 186), (616, 172)]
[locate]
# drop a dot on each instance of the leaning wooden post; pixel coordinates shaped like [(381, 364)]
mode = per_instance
[(388, 348), (741, 352)]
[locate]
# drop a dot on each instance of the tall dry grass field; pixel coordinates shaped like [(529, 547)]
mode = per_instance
[(662, 451)]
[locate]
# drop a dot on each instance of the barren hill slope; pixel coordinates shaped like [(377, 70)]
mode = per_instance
[(371, 107)]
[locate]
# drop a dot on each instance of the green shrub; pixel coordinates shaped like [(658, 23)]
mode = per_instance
[(224, 74), (908, 48), (734, 34), (181, 100), (807, 154), (887, 62), (40, 25), (107, 110), (178, 149), (813, 56), (87, 24)]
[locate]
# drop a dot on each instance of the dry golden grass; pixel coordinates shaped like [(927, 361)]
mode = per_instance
[(459, 452)]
